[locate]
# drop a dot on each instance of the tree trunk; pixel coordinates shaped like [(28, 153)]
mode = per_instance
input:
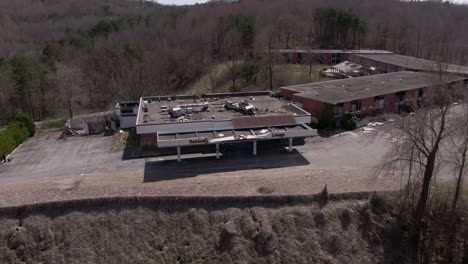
[(70, 111), (428, 172), (233, 75), (461, 172), (270, 68)]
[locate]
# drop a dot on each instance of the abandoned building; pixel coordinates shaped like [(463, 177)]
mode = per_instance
[(367, 95), (385, 63), (322, 56), (214, 119)]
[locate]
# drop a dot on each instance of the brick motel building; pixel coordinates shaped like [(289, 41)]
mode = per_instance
[(368, 95)]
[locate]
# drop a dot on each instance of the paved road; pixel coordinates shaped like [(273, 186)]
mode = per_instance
[(47, 169), (45, 157)]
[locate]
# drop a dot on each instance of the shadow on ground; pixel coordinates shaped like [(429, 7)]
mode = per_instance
[(170, 169)]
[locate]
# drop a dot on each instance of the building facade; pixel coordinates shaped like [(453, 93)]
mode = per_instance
[(368, 95), (209, 121)]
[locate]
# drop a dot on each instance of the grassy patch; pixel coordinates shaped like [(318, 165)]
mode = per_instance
[(53, 125), (292, 74), (444, 191), (283, 75)]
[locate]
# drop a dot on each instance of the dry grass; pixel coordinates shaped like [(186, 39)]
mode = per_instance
[(120, 140), (212, 231)]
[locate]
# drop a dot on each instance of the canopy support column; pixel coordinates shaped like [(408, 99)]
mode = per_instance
[(178, 154)]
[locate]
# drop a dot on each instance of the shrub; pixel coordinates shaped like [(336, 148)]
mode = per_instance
[(27, 122), (327, 120), (314, 123), (6, 143), (349, 122), (18, 132)]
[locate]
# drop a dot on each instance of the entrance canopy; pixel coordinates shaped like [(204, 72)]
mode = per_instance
[(234, 136)]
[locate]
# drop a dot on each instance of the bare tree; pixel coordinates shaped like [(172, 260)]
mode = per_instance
[(458, 151), (69, 80), (233, 52), (421, 134)]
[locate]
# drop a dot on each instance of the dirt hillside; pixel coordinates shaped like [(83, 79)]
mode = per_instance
[(211, 230)]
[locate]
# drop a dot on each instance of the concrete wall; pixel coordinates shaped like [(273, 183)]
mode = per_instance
[(303, 119)]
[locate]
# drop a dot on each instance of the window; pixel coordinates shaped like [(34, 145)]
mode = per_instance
[(419, 97), (355, 106), (379, 101), (400, 97), (336, 58), (420, 93), (338, 109)]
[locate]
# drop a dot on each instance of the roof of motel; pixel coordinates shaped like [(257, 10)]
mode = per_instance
[(318, 51), (345, 90), (414, 63)]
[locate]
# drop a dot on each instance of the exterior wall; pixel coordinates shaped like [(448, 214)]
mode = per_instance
[(186, 127), (314, 107), (294, 57), (389, 103), (287, 93), (148, 141), (344, 57), (327, 58), (128, 121)]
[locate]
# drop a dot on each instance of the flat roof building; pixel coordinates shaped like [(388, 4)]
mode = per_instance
[(384, 63), (374, 94), (215, 119), (323, 56)]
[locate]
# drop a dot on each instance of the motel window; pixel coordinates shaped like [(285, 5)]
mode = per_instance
[(379, 101), (336, 58), (355, 106), (400, 97), (420, 93), (338, 109)]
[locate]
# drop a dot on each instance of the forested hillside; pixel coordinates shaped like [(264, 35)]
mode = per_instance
[(60, 57)]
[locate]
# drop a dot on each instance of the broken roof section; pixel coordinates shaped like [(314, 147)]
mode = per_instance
[(348, 67), (345, 90)]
